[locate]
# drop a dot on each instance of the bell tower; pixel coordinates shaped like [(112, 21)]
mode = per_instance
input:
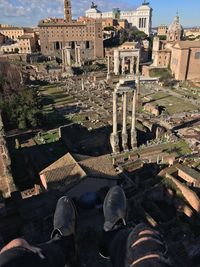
[(67, 10)]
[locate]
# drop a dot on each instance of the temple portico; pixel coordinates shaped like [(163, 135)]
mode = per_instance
[(124, 57), (68, 55), (124, 90)]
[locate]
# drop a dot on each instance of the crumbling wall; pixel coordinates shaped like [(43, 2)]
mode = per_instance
[(188, 194), (188, 178)]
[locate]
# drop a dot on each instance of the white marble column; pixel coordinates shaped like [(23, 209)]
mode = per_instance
[(138, 98), (133, 123), (68, 57), (114, 139), (138, 64), (123, 65), (115, 113), (108, 67), (116, 62), (82, 84), (131, 65), (124, 127), (63, 59), (78, 55)]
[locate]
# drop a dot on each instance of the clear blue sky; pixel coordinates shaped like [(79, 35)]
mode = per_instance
[(29, 12)]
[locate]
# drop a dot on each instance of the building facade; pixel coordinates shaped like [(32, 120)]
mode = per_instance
[(55, 34), (141, 18), (162, 49), (18, 40), (1, 39), (161, 53), (11, 34), (185, 60), (26, 44), (192, 32), (162, 30)]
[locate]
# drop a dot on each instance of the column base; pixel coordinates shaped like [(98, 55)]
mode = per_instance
[(125, 141), (114, 141), (134, 140)]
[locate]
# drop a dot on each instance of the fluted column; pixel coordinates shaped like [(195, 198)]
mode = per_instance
[(124, 128), (114, 139), (116, 62), (133, 123)]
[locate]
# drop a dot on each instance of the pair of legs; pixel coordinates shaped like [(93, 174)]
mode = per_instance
[(141, 246)]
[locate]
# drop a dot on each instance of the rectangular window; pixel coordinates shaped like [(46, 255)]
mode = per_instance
[(197, 55), (87, 45)]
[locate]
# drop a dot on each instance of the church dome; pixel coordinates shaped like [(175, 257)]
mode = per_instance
[(175, 30), (175, 26)]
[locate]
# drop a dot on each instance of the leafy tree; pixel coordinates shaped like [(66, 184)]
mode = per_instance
[(123, 36), (162, 37), (109, 28), (18, 103)]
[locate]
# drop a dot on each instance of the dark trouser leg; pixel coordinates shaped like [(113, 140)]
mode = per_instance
[(138, 247), (54, 253), (114, 246), (60, 251)]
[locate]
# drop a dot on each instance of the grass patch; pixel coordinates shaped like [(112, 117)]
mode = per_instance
[(180, 148), (172, 104), (52, 96), (160, 72)]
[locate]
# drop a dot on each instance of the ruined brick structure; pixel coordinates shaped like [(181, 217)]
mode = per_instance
[(6, 180)]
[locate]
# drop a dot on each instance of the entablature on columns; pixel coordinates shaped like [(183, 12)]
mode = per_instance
[(129, 53)]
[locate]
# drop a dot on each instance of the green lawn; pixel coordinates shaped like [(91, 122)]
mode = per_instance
[(47, 137), (53, 95), (78, 118), (194, 93), (180, 148), (172, 104), (158, 95)]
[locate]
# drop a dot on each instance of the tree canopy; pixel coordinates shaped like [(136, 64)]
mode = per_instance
[(18, 103)]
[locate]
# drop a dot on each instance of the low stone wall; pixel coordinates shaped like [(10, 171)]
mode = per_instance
[(17, 57), (188, 194)]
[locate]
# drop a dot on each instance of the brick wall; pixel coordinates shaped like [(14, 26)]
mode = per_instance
[(194, 65), (188, 178), (188, 194)]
